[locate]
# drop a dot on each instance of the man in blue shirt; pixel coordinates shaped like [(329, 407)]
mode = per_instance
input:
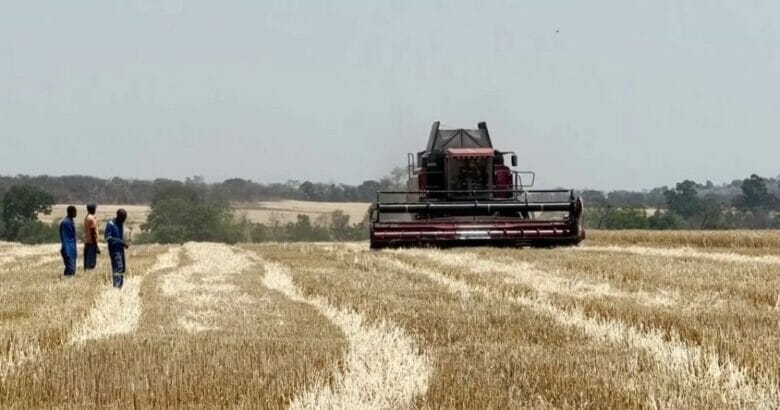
[(68, 241), (116, 246)]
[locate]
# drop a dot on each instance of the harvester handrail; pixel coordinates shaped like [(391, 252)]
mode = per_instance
[(519, 201), (481, 191)]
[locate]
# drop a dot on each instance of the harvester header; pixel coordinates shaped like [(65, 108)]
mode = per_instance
[(462, 192)]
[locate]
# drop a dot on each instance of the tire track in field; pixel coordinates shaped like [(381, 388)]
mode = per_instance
[(384, 366), (686, 252), (693, 367), (545, 282), (118, 311)]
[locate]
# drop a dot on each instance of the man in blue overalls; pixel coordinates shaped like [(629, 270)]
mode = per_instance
[(68, 240), (116, 246)]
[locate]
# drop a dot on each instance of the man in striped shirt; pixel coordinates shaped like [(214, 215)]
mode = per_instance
[(91, 250)]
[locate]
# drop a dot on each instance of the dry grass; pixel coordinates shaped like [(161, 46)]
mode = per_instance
[(632, 321)]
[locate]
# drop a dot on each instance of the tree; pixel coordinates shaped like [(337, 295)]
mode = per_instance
[(598, 207), (627, 199), (311, 191), (21, 206), (631, 218), (711, 214), (304, 230), (591, 196), (684, 200), (341, 230), (181, 213), (237, 189), (663, 220), (755, 195), (367, 190)]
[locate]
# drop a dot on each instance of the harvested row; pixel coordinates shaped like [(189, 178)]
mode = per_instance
[(696, 283), (39, 312), (383, 366), (487, 352), (730, 308), (279, 326), (266, 350), (545, 283), (119, 311), (38, 307), (690, 368), (203, 287)]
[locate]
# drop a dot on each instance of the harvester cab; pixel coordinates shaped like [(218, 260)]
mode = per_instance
[(462, 192)]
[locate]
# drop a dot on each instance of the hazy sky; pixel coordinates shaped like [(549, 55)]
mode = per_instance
[(604, 94)]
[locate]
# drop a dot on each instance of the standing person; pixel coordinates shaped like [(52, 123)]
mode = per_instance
[(68, 240), (91, 250), (116, 246)]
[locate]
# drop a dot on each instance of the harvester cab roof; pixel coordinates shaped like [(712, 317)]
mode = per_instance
[(440, 139), (462, 142)]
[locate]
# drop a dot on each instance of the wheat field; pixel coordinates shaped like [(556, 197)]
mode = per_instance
[(626, 320)]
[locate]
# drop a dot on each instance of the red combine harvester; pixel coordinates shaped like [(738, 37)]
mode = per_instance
[(461, 193)]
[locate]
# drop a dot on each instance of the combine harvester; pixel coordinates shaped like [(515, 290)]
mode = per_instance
[(461, 193)]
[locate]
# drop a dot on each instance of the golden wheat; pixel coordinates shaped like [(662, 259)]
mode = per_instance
[(630, 320), (761, 241), (692, 365), (384, 368)]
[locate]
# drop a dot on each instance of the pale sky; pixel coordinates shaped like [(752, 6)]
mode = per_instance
[(602, 94)]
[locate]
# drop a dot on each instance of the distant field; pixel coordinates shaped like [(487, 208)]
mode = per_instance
[(136, 215), (261, 212), (629, 319), (287, 211)]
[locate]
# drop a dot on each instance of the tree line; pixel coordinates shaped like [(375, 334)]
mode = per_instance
[(194, 210), (751, 203), (179, 212), (84, 189)]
